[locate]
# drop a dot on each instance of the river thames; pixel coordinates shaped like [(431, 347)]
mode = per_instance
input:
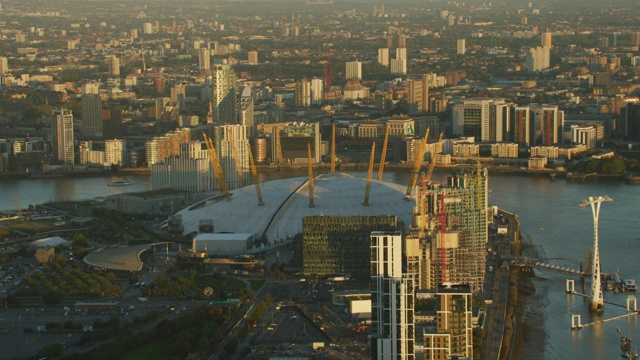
[(539, 203)]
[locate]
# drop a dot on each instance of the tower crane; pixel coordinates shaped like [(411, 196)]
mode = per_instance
[(217, 169), (254, 174), (370, 174), (383, 157)]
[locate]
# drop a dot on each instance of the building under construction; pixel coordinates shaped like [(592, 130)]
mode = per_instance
[(449, 232)]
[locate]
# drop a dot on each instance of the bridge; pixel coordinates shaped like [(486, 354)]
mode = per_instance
[(557, 265)]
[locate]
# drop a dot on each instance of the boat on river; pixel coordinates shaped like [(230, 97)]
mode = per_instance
[(121, 183)]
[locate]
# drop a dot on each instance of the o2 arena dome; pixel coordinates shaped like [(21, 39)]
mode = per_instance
[(286, 202)]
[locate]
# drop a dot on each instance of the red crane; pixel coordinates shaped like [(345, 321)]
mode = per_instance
[(443, 243), (327, 71)]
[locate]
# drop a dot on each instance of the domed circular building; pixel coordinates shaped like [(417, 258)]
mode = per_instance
[(287, 201)]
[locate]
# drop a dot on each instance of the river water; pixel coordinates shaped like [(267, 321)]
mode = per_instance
[(539, 203)]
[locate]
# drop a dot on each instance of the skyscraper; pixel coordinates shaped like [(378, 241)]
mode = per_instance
[(302, 96), (471, 118), (538, 58), (454, 331), (245, 112), (461, 46), (399, 66), (224, 98), (4, 65), (547, 123), (62, 141), (231, 143), (204, 59), (401, 53), (114, 152), (635, 38), (114, 66), (317, 90), (383, 56), (546, 39), (353, 70), (91, 115), (392, 300)]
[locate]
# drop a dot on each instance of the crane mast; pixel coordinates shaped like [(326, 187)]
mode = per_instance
[(254, 174), (370, 174), (217, 169), (310, 166), (333, 149), (278, 146), (236, 158), (417, 162), (383, 157)]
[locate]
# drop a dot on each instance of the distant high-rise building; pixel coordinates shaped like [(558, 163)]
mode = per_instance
[(521, 124), (147, 28), (204, 59), (383, 56), (547, 39), (114, 66), (302, 96), (114, 152), (604, 42), (392, 300), (62, 140), (224, 98), (134, 34), (161, 103), (399, 66), (4, 65), (453, 337), (353, 70), (417, 94), (635, 38), (546, 125), (91, 105), (317, 91), (538, 58), (631, 121), (461, 46), (252, 57), (613, 39), (401, 53), (389, 42), (245, 111), (471, 118), (402, 41), (190, 170), (231, 143), (178, 95)]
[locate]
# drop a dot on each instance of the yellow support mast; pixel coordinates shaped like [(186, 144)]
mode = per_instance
[(254, 173), (432, 164), (383, 157), (417, 162), (370, 174), (310, 166), (236, 158), (278, 146), (333, 149), (217, 169)]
